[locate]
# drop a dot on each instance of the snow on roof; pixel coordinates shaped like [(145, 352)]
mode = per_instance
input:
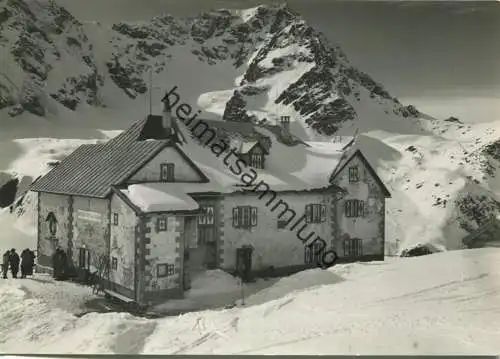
[(328, 148), (247, 146), (287, 168), (160, 197)]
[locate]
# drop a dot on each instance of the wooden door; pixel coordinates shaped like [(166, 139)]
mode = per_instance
[(207, 236)]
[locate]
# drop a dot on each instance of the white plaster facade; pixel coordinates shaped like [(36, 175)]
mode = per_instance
[(370, 228), (59, 205), (91, 226), (273, 247)]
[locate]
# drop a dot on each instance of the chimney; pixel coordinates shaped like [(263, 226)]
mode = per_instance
[(285, 125), (167, 120)]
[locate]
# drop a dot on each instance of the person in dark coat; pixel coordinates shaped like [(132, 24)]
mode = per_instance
[(59, 260), (27, 262), (14, 262), (64, 264), (5, 264), (56, 264), (33, 257)]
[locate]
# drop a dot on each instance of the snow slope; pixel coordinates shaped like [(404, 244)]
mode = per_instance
[(445, 303)]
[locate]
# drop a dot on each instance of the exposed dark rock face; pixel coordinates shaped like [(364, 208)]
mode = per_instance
[(6, 99), (126, 79), (491, 158), (45, 30), (235, 109), (476, 209), (8, 192), (265, 42), (417, 251)]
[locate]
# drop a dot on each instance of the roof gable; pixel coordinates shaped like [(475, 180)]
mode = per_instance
[(343, 163), (91, 170)]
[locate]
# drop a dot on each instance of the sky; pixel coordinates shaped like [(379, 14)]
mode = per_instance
[(421, 51)]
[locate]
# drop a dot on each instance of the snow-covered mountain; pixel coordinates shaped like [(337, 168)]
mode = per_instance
[(247, 65), (266, 61)]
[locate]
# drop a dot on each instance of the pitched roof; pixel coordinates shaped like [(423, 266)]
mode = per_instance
[(248, 131), (91, 170), (150, 128), (245, 129), (129, 135), (309, 168), (347, 158)]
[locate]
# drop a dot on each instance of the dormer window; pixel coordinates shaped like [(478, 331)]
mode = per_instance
[(353, 174), (167, 172), (256, 160)]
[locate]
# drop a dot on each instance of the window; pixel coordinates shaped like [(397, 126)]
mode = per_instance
[(208, 216), (115, 219), (244, 217), (114, 263), (315, 213), (313, 253), (353, 174), (84, 258), (165, 270), (353, 247), (354, 208), (161, 224), (256, 161), (167, 172)]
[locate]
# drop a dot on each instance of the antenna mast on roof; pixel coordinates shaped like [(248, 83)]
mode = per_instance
[(150, 91)]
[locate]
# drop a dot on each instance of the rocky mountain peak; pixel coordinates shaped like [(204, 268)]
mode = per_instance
[(50, 58)]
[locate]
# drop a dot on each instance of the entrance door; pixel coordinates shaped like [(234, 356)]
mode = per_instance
[(206, 236), (244, 262)]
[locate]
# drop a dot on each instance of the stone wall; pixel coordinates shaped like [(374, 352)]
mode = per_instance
[(122, 248)]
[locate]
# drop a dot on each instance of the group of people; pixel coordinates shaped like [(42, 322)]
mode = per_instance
[(11, 259)]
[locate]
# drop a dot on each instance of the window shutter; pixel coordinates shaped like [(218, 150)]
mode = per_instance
[(308, 213), (254, 216), (361, 208), (210, 214), (317, 213), (365, 208), (203, 218), (236, 219), (323, 213), (157, 225), (346, 208), (246, 217)]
